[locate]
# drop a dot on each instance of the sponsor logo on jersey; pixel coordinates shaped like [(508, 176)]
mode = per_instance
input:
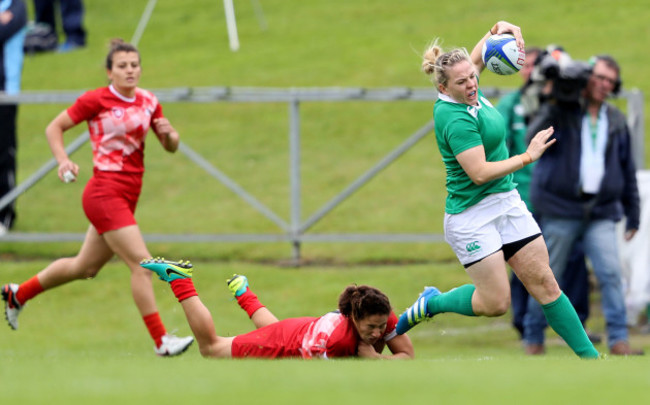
[(472, 110)]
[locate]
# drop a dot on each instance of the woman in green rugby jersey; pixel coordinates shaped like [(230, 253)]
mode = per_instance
[(486, 222)]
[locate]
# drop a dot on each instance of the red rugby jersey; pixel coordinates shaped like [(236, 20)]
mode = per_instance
[(331, 335), (117, 126)]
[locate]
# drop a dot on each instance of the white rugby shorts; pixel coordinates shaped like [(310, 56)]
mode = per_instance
[(484, 228)]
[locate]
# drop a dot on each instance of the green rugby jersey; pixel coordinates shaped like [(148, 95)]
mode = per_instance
[(460, 127)]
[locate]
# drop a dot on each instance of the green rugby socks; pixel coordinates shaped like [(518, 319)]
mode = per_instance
[(562, 317), (457, 300)]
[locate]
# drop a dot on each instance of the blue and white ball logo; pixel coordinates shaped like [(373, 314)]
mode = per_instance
[(501, 55)]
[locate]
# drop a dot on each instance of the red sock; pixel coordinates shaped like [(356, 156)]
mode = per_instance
[(155, 326), (248, 302), (183, 288), (28, 290)]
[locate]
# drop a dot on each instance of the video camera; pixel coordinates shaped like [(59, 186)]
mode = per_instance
[(568, 77)]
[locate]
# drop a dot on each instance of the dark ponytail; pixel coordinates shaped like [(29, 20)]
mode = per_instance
[(359, 302)]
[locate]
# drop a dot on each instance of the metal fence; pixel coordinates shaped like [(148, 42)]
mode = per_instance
[(294, 230)]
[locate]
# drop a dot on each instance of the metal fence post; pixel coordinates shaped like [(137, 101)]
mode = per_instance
[(294, 175), (636, 124)]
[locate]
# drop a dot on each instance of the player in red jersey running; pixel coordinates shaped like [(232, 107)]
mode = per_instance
[(362, 326), (119, 117)]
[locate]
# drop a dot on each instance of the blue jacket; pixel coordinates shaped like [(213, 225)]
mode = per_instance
[(555, 185), (12, 36)]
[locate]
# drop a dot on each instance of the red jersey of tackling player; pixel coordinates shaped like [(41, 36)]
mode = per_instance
[(117, 126), (331, 335)]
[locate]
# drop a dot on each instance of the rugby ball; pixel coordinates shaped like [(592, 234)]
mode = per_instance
[(501, 54)]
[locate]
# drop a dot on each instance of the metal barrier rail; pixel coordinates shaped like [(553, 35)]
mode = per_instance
[(295, 230)]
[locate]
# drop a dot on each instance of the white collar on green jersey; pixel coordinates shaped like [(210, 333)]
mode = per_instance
[(448, 99), (471, 109)]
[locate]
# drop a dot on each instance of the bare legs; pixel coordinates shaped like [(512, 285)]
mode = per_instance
[(200, 321), (95, 252), (531, 264), (490, 277), (92, 256), (202, 325), (128, 245), (263, 317)]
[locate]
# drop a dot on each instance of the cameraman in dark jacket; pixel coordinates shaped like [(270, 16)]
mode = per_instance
[(584, 185)]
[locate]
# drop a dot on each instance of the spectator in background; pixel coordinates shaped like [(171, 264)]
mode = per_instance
[(517, 116), (518, 109), (45, 29), (13, 18), (582, 187)]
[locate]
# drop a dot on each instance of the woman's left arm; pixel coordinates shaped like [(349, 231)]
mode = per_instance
[(400, 346), (480, 171), (167, 135), (502, 27)]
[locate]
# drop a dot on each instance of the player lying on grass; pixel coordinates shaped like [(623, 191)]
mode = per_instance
[(362, 326)]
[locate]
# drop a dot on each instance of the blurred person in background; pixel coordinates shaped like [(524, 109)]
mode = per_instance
[(582, 187), (43, 35), (13, 18), (518, 108)]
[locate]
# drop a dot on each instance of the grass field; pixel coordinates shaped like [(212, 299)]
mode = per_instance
[(85, 343)]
